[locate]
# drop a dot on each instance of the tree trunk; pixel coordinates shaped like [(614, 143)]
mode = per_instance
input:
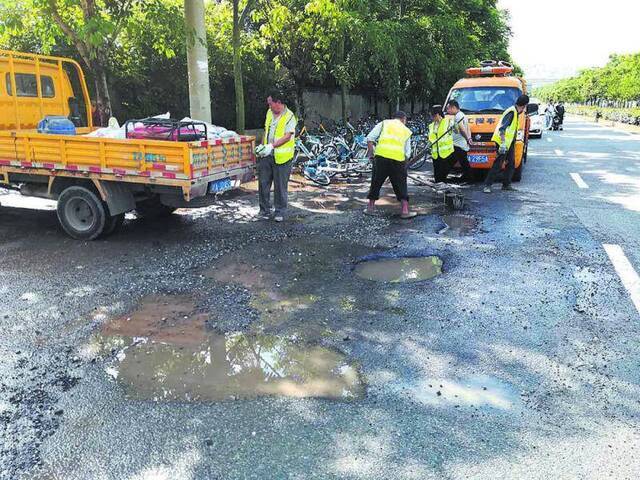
[(343, 86), (375, 104), (237, 69), (300, 101), (102, 89)]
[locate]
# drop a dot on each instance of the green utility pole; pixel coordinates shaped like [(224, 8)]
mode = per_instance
[(197, 61)]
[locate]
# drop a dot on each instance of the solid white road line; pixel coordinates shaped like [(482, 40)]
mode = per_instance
[(579, 181), (559, 153), (626, 272)]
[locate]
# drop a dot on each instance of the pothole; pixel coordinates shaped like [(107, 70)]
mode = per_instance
[(400, 270), (163, 352), (458, 225)]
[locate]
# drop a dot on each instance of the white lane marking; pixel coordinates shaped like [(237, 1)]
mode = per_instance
[(579, 181), (626, 272), (549, 139), (560, 153)]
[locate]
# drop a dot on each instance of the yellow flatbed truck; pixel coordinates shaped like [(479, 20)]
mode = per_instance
[(97, 180)]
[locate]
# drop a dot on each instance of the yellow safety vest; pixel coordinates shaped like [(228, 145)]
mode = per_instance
[(442, 148), (283, 153), (392, 140), (510, 132)]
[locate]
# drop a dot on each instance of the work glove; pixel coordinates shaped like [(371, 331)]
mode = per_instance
[(503, 149), (264, 150)]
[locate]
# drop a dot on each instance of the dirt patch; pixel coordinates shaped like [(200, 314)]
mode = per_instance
[(162, 318)]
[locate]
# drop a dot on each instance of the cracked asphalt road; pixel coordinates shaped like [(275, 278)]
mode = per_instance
[(519, 361)]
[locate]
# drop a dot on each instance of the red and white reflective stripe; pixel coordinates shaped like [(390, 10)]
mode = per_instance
[(92, 169)]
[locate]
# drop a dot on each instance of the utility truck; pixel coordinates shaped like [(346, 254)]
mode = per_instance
[(97, 180), (484, 95)]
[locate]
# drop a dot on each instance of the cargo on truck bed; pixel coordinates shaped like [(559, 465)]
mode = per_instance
[(97, 180)]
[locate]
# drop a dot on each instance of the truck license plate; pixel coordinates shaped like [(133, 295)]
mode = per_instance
[(478, 158), (219, 186)]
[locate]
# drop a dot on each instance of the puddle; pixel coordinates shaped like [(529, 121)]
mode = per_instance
[(228, 367), (458, 225), (399, 270), (163, 352)]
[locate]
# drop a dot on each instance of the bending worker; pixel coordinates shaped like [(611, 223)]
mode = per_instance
[(441, 140), (505, 140), (391, 152), (275, 155), (461, 140)]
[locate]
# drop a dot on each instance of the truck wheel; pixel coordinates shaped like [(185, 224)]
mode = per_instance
[(81, 213), (153, 209), (112, 224)]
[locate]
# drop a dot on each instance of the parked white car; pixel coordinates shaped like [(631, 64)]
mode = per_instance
[(536, 117)]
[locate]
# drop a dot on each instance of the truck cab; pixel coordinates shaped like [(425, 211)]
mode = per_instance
[(484, 95), (33, 86)]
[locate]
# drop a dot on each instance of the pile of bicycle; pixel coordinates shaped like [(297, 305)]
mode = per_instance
[(333, 151)]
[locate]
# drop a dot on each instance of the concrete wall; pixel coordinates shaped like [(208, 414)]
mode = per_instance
[(320, 105)]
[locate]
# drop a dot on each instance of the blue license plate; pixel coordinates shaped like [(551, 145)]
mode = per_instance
[(478, 158), (221, 185)]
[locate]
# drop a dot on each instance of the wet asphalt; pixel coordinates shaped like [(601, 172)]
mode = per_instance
[(519, 361)]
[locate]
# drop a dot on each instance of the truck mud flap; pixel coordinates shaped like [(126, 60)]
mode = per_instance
[(118, 196)]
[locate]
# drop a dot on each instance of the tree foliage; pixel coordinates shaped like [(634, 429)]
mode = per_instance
[(618, 80), (394, 50)]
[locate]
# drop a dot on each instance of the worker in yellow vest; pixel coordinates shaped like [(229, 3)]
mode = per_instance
[(504, 137), (274, 158), (392, 140), (441, 139)]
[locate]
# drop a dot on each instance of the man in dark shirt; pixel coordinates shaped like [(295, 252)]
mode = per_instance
[(560, 113)]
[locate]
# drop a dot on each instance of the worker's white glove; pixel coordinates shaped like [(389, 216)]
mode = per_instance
[(503, 149), (264, 150)]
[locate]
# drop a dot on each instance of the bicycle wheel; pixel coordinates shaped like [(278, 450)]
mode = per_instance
[(417, 161), (316, 177), (330, 151), (364, 166)]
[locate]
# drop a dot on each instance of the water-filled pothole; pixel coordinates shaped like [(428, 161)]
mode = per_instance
[(458, 225), (163, 352), (399, 270)]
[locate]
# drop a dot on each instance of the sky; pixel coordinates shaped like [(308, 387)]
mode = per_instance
[(555, 38)]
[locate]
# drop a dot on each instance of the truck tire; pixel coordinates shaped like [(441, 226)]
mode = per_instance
[(81, 213), (153, 209), (112, 224)]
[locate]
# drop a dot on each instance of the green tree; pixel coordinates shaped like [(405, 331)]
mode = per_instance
[(240, 15)]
